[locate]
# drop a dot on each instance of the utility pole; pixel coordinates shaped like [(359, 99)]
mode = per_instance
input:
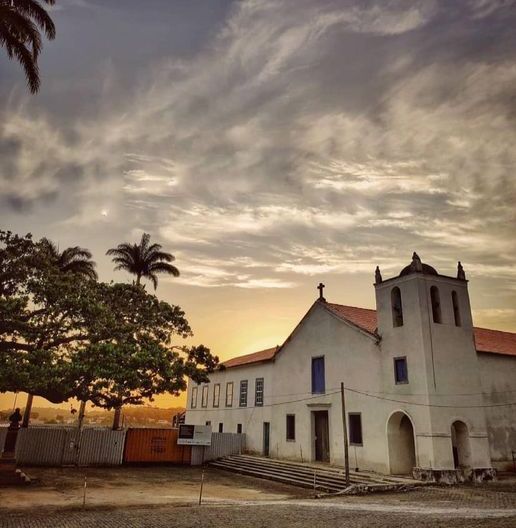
[(345, 431)]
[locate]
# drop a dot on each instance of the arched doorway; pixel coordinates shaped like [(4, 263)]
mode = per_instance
[(402, 451), (460, 445)]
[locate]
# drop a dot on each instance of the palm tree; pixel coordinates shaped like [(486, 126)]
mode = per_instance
[(20, 24), (71, 260), (143, 260)]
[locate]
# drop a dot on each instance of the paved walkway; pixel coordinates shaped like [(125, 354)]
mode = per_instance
[(287, 514), (167, 496)]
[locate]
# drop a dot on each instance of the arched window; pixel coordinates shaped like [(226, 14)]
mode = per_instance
[(397, 307), (436, 304), (456, 310)]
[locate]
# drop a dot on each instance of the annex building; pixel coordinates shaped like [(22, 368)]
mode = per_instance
[(426, 392)]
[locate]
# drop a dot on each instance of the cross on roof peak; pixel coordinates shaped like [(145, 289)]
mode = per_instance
[(321, 291)]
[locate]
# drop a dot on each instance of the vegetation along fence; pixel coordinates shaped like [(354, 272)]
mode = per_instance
[(222, 444)]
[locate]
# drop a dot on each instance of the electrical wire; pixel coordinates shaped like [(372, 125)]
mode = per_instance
[(362, 393)]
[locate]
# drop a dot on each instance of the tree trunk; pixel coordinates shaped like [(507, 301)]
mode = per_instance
[(28, 409), (138, 279), (116, 418), (82, 412)]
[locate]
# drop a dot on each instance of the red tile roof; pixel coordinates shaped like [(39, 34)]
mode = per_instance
[(495, 341), (364, 318), (492, 341), (255, 357)]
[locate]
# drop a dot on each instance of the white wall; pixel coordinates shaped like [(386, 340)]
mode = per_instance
[(250, 417), (498, 375), (444, 377)]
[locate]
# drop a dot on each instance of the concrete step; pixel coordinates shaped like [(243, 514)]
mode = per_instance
[(327, 479), (297, 475), (322, 474), (364, 477), (293, 480), (300, 472)]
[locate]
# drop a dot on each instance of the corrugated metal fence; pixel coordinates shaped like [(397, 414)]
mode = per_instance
[(101, 447), (63, 446), (66, 446), (222, 444), (155, 445)]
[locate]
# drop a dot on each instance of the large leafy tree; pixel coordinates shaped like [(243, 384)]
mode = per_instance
[(21, 24), (131, 355), (43, 313), (63, 335), (71, 260), (145, 260)]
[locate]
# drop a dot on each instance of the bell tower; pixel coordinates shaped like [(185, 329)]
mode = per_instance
[(429, 360)]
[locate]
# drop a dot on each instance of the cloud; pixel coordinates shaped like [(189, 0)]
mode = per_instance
[(306, 138)]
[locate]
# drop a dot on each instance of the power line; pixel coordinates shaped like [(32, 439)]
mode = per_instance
[(265, 405), (432, 404), (370, 395)]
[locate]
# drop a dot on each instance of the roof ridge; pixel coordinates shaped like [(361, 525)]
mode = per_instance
[(351, 306), (494, 330)]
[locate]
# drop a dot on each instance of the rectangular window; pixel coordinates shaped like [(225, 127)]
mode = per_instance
[(229, 394), (204, 398), (355, 428), (243, 393), (216, 394), (239, 428), (291, 427), (400, 370), (193, 402), (318, 382), (258, 392), (208, 422), (221, 427)]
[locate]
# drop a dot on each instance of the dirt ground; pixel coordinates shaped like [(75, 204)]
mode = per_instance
[(130, 486), (168, 496)]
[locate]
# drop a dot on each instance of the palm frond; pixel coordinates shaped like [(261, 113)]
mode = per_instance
[(26, 57), (164, 267), (153, 279), (33, 9), (120, 249), (72, 260), (159, 256)]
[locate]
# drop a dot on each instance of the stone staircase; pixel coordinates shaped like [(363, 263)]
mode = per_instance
[(322, 478)]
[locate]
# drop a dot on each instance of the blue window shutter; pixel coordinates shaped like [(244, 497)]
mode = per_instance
[(318, 381)]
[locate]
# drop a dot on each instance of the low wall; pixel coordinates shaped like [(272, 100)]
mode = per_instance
[(64, 446), (222, 444)]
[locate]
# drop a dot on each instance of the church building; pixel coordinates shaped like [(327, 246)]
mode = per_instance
[(426, 393)]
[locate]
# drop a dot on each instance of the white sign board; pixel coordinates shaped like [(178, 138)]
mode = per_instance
[(196, 435)]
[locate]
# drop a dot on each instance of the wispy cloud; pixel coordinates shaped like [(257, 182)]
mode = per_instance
[(306, 138)]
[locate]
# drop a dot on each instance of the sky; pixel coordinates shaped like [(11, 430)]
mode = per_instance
[(271, 145)]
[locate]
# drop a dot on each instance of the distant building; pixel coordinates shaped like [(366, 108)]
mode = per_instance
[(424, 389)]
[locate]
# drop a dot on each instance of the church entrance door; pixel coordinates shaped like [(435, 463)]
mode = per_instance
[(321, 436), (402, 451)]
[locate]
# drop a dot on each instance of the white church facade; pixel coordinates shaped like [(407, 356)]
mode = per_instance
[(426, 393)]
